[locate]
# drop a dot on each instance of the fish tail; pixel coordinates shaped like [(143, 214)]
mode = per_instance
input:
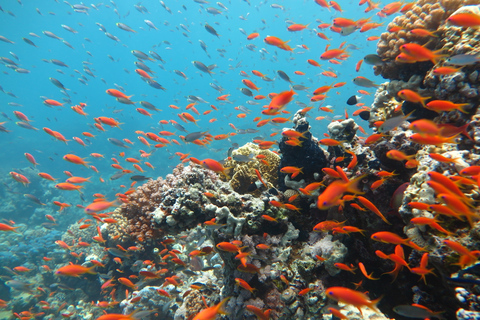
[(460, 107), (91, 270), (353, 185)]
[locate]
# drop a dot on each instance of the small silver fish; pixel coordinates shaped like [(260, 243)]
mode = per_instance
[(140, 55), (69, 28), (30, 42), (202, 67), (124, 27), (364, 82), (51, 35), (194, 136), (393, 122), (34, 199), (117, 143), (416, 312), (463, 59)]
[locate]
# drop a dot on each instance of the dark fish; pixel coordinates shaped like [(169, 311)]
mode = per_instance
[(211, 30), (30, 42), (118, 253), (118, 143), (365, 115), (59, 63), (178, 126), (34, 199), (284, 76), (202, 67), (57, 83), (246, 92), (254, 186), (149, 106), (155, 84), (194, 136), (273, 191), (139, 178), (61, 286), (353, 100), (373, 59)]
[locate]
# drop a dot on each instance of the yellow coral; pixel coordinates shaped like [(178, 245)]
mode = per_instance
[(243, 173)]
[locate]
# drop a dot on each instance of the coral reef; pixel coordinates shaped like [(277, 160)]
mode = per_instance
[(243, 163)]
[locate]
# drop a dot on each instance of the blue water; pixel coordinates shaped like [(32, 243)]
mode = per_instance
[(178, 48)]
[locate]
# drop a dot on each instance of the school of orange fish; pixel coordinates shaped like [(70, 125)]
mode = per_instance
[(450, 191)]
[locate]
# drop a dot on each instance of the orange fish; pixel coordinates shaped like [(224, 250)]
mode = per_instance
[(68, 186), (98, 206), (277, 42), (6, 227), (412, 96), (19, 178), (51, 102), (74, 270), (419, 53), (117, 94), (443, 105), (355, 298), (330, 197), (368, 204), (211, 313), (250, 84), (466, 19), (292, 170), (214, 166), (74, 159), (244, 284), (297, 27)]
